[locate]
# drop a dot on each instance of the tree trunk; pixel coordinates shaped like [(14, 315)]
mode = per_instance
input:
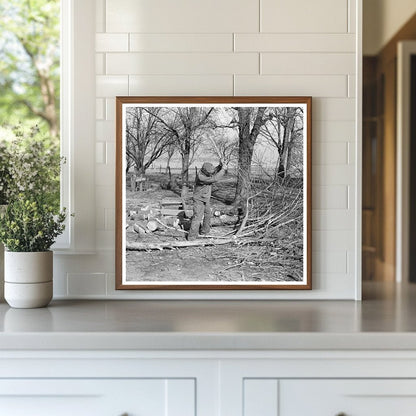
[(287, 138), (185, 172), (247, 140)]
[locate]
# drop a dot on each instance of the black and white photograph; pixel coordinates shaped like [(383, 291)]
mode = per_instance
[(213, 193)]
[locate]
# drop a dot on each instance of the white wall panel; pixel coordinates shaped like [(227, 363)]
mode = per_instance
[(333, 109), (181, 63), (311, 63), (233, 47), (330, 131), (330, 262), (332, 219), (174, 42), (112, 42), (330, 153), (305, 16), (84, 284), (182, 16), (181, 85), (333, 174), (330, 197), (294, 42), (100, 64), (111, 86), (314, 85)]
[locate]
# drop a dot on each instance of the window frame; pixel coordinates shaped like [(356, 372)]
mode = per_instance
[(77, 126)]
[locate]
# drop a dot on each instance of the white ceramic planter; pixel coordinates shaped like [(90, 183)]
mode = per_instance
[(28, 279), (2, 210)]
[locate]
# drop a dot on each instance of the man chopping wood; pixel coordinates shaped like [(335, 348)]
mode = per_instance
[(205, 177)]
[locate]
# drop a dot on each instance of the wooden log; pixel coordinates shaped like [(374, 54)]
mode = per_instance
[(152, 225), (177, 244), (167, 212), (139, 229), (171, 203), (224, 220), (171, 221)]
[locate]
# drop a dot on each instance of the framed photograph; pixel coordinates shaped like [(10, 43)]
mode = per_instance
[(213, 193)]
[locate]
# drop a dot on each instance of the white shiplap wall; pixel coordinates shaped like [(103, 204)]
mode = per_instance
[(233, 47)]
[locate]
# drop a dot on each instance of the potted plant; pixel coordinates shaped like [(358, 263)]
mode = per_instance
[(28, 229), (32, 219), (5, 176)]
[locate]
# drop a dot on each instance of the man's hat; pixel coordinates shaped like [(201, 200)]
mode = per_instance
[(208, 168)]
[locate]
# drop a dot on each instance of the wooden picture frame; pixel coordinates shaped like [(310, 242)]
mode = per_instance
[(168, 179)]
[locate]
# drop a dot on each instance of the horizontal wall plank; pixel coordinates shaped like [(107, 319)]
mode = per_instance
[(340, 109), (313, 85), (104, 174), (112, 42), (340, 131), (329, 153), (182, 63), (333, 174), (283, 42), (304, 16), (336, 219), (182, 16), (352, 86), (330, 197), (99, 64), (99, 109), (181, 85), (100, 15), (86, 284), (333, 240), (174, 42), (110, 109), (111, 86), (352, 16), (329, 262), (307, 63), (100, 152), (105, 131)]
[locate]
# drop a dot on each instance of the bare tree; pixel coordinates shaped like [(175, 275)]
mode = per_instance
[(224, 148), (250, 120), (186, 127), (146, 138), (283, 127)]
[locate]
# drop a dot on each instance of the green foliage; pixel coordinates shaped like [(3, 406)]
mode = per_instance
[(5, 175), (30, 63), (30, 164), (30, 225)]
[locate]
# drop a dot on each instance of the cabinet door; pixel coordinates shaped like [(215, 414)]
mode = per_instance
[(87, 397), (347, 397)]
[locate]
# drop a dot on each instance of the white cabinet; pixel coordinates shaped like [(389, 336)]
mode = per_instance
[(90, 397), (347, 397), (207, 383)]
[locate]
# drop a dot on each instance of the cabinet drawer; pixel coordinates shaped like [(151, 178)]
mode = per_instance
[(87, 397), (347, 397)]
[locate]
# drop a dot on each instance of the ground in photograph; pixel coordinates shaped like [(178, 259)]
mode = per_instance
[(265, 256)]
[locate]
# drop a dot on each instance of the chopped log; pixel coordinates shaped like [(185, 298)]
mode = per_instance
[(152, 225), (171, 221), (178, 244), (176, 212), (171, 203), (224, 220), (139, 229), (140, 216)]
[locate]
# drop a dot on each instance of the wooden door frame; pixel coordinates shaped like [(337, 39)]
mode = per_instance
[(404, 51)]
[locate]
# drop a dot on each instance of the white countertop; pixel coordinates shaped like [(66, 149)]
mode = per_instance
[(385, 320)]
